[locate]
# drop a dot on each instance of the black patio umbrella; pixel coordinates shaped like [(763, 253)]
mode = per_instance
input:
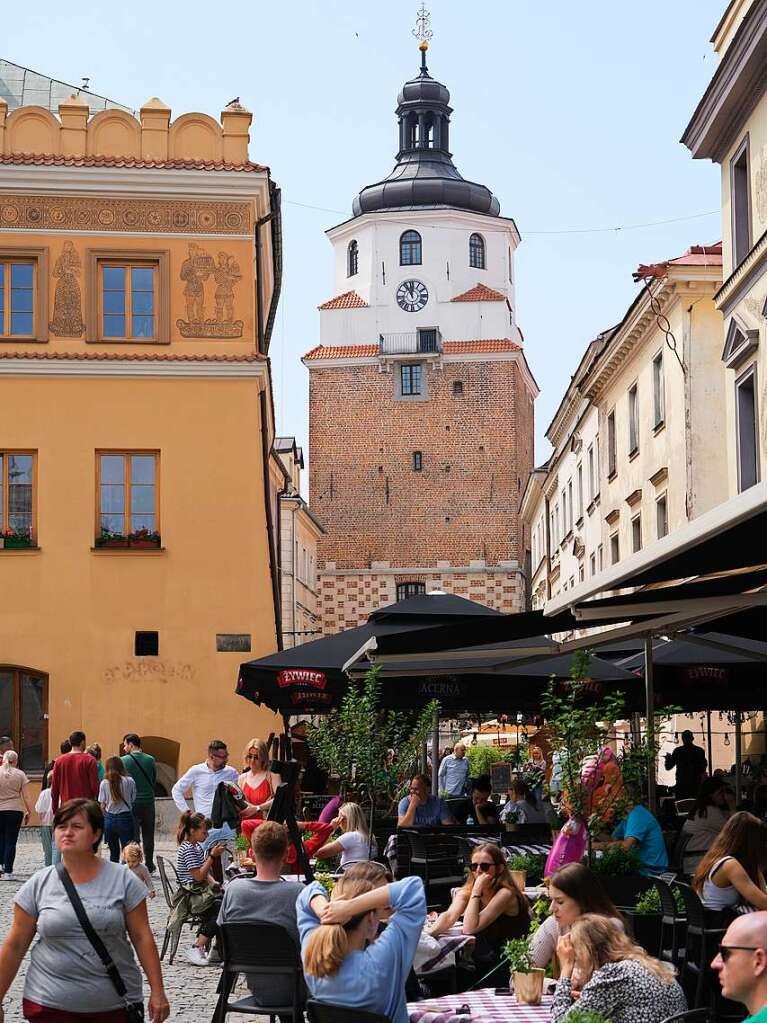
[(311, 677), (706, 671)]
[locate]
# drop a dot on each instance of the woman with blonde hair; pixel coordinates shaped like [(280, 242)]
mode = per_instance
[(345, 963), (258, 784), (617, 979), (354, 843), (14, 810)]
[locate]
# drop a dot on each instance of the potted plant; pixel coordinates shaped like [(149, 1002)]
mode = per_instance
[(529, 864), (527, 979), (16, 539), (144, 538), (241, 848), (108, 538), (518, 870), (618, 870), (645, 921)]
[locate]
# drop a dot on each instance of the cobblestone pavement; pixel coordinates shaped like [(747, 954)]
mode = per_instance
[(191, 990)]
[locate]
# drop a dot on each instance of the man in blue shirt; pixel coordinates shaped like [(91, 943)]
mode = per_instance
[(420, 808), (640, 831), (454, 773)]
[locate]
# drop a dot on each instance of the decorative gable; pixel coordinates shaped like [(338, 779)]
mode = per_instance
[(740, 342)]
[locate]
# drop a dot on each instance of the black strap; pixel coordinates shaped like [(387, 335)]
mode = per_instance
[(150, 783), (98, 945)]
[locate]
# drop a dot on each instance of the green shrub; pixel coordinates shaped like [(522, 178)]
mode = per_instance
[(585, 1016), (517, 954), (615, 862), (481, 758), (534, 865), (326, 880), (648, 903)]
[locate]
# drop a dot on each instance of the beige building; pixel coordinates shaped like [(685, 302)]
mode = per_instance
[(729, 127), (636, 437), (299, 532)]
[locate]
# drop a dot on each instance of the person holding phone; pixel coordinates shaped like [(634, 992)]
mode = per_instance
[(194, 868)]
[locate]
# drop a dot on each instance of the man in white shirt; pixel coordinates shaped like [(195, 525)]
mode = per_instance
[(203, 779)]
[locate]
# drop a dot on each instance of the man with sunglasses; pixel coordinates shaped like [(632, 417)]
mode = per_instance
[(203, 779), (742, 964)]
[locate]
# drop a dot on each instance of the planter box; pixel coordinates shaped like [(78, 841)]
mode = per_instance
[(144, 544), (646, 929), (16, 542), (623, 889)]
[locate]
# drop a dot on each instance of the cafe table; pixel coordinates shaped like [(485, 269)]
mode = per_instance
[(484, 1006)]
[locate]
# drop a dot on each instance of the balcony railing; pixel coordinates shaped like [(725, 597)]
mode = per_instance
[(425, 341)]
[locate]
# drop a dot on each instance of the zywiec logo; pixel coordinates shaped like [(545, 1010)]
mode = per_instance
[(312, 698), (706, 673), (303, 677)]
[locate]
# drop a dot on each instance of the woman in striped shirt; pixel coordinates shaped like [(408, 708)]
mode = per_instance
[(194, 867)]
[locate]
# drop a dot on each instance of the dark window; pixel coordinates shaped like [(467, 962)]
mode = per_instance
[(410, 249), (24, 715), (410, 378), (352, 259), (741, 205), (477, 252), (417, 461), (147, 644), (612, 454), (458, 388), (407, 590), (747, 425)]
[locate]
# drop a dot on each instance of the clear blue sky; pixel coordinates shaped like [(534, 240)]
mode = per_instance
[(570, 112)]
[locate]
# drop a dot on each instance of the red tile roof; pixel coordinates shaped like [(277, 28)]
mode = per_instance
[(55, 160), (131, 356), (696, 255), (478, 347), (480, 293), (349, 300)]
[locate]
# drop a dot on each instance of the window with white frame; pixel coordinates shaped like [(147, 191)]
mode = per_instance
[(580, 491), (658, 391), (740, 204), (612, 451), (636, 533), (593, 564), (747, 429), (633, 419), (600, 557), (615, 549), (570, 501), (592, 490), (596, 467), (661, 516)]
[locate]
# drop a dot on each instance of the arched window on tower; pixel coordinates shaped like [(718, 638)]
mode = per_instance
[(477, 252), (412, 131), (410, 249), (352, 259), (428, 132)]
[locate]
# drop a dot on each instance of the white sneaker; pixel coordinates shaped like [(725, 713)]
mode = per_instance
[(11, 877), (197, 956)]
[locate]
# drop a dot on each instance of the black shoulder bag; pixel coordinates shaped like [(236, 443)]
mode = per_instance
[(137, 762), (134, 1011)]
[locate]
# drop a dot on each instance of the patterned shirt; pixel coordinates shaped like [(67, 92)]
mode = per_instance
[(624, 992), (190, 856)]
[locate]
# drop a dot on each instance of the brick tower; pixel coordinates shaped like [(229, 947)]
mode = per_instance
[(420, 398)]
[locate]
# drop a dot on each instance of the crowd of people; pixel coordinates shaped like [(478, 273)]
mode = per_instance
[(358, 941)]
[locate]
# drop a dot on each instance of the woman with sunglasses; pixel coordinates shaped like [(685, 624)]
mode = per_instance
[(258, 785), (491, 905)]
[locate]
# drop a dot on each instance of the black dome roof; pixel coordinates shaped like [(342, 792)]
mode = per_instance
[(424, 174)]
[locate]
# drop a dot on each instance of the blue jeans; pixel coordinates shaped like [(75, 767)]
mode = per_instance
[(119, 829), (46, 837)]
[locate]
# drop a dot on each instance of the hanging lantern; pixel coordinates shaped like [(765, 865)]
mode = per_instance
[(727, 738)]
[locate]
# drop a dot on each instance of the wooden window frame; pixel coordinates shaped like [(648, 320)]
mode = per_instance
[(4, 452), (126, 453), (17, 671), (39, 258), (96, 259)]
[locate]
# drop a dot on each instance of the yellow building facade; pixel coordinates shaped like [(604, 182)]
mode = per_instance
[(139, 274)]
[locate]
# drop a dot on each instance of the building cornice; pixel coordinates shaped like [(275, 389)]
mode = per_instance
[(736, 87), (511, 568), (743, 277), (12, 365), (144, 183), (487, 223)]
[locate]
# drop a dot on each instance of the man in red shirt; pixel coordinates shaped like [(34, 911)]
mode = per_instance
[(75, 775)]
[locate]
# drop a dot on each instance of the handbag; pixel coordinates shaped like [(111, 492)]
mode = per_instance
[(134, 1011)]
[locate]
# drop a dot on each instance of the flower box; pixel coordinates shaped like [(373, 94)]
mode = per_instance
[(16, 542), (143, 540)]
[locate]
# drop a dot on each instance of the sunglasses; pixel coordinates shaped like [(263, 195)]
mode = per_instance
[(725, 951), (252, 756), (484, 867)]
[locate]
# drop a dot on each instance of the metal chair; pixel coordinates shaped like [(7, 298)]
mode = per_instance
[(169, 889), (703, 936), (676, 860), (324, 1012), (672, 922), (262, 949), (683, 806), (692, 1016)]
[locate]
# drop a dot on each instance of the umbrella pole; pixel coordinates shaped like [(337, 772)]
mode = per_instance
[(710, 751), (738, 741), (652, 795), (435, 753)]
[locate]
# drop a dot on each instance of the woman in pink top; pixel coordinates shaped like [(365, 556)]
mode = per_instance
[(14, 808)]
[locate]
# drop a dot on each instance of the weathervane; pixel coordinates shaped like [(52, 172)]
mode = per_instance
[(423, 32)]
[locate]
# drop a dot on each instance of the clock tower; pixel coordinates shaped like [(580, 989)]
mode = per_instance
[(420, 397)]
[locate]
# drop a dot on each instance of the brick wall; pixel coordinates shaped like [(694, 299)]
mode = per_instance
[(462, 507)]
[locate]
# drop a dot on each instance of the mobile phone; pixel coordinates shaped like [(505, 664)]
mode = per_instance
[(503, 991)]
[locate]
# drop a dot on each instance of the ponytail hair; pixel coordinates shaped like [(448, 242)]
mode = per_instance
[(189, 822), (10, 759), (328, 945)]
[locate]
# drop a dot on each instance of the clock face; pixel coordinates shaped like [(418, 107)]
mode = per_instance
[(412, 296)]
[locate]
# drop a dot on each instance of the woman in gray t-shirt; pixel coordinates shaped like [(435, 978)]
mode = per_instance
[(64, 971)]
